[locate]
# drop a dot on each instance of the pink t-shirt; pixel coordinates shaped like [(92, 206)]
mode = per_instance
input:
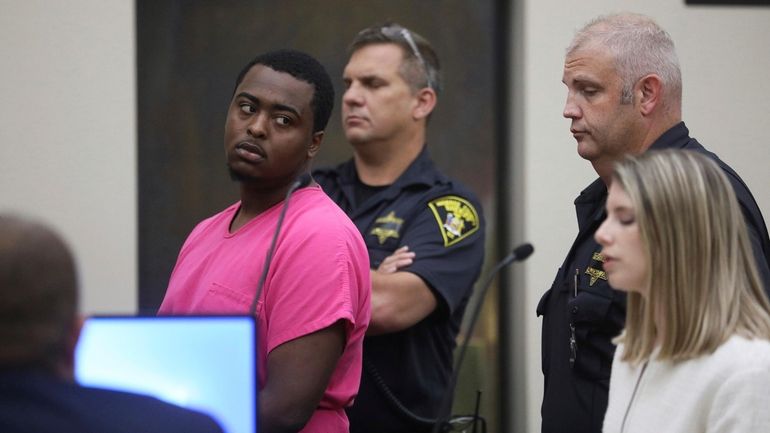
[(319, 275)]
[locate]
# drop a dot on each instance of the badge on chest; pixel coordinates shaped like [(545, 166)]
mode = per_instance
[(388, 226), (595, 270)]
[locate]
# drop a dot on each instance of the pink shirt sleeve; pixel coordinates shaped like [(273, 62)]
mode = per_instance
[(314, 276), (319, 275)]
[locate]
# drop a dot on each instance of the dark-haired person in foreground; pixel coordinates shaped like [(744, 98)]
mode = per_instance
[(314, 307), (424, 231), (39, 329), (624, 97)]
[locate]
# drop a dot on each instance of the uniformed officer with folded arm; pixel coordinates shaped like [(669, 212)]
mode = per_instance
[(424, 231)]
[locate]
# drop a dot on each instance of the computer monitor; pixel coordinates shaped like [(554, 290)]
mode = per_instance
[(206, 363)]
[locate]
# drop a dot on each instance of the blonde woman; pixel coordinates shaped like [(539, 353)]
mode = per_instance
[(695, 352)]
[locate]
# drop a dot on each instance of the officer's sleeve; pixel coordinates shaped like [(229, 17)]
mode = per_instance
[(755, 225), (759, 257), (447, 237)]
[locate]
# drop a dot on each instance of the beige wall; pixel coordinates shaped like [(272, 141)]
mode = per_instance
[(725, 60), (68, 133)]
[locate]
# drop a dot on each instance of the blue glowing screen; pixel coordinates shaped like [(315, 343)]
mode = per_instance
[(202, 363)]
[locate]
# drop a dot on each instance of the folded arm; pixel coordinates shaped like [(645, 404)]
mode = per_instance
[(400, 299)]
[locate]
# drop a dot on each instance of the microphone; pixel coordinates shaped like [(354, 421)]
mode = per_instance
[(520, 253), (302, 181)]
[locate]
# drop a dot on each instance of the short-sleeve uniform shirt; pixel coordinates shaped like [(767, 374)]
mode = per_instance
[(441, 221)]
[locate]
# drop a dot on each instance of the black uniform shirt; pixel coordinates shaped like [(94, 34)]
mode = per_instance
[(577, 375), (442, 223)]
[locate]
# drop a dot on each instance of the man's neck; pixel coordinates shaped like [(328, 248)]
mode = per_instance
[(382, 163), (605, 167), (656, 131), (254, 201)]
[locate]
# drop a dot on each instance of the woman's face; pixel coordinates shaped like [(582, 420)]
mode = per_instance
[(624, 257)]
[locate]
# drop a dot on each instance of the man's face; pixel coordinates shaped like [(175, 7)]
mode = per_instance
[(269, 128), (377, 103), (604, 128)]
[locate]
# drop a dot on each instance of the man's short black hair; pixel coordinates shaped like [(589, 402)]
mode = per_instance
[(303, 67)]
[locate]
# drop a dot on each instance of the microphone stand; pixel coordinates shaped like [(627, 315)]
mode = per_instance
[(519, 253)]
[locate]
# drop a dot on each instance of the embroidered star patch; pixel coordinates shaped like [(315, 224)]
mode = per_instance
[(456, 217), (387, 227)]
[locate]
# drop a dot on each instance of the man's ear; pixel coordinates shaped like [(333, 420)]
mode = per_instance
[(425, 103), (315, 144), (650, 91)]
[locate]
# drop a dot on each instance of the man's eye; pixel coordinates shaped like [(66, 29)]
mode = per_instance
[(283, 120), (372, 83), (247, 108), (589, 92)]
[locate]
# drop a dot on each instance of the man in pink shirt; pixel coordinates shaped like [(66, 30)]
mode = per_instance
[(314, 306)]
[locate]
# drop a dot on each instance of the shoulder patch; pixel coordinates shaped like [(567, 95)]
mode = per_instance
[(456, 217)]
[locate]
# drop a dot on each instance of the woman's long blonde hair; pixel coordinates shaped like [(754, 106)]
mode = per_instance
[(703, 282)]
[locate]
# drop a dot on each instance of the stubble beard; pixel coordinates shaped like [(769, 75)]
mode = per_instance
[(240, 177)]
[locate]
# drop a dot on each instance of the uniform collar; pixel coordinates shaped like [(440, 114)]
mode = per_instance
[(420, 172), (677, 137), (589, 205)]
